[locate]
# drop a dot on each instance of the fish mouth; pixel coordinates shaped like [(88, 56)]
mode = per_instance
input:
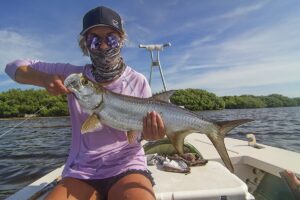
[(79, 86), (72, 81)]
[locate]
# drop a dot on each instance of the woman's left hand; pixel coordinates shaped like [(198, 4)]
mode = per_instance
[(153, 127)]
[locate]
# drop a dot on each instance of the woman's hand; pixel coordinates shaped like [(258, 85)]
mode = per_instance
[(54, 84), (153, 127)]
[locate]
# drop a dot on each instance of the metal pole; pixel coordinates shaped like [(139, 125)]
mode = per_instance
[(157, 48), (161, 73), (151, 67)]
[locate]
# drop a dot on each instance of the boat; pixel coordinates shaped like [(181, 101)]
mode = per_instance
[(258, 169), (257, 174)]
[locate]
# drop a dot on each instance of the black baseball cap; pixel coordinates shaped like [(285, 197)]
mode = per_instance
[(101, 16)]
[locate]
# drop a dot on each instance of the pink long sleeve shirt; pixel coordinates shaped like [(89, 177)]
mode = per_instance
[(105, 152)]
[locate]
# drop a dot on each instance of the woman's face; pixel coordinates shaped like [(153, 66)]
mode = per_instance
[(103, 32)]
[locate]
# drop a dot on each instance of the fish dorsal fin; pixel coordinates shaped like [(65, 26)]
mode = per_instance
[(164, 96), (132, 136), (91, 123)]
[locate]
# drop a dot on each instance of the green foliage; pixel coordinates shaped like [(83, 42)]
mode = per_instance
[(17, 103), (297, 100), (196, 99), (250, 101), (277, 100), (244, 101)]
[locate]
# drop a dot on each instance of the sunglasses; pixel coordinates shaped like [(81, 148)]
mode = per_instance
[(94, 41)]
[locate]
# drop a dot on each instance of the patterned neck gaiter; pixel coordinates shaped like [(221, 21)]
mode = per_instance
[(107, 64)]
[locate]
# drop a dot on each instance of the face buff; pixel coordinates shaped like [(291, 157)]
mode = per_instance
[(107, 63)]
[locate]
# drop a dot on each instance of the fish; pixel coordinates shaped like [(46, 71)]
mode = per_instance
[(126, 113), (166, 164)]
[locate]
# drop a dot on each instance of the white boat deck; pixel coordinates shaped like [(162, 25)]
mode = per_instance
[(212, 181), (205, 182), (270, 159)]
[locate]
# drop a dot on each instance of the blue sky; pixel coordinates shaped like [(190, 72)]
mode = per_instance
[(224, 47)]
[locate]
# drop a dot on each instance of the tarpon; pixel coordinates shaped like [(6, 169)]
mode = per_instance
[(126, 113)]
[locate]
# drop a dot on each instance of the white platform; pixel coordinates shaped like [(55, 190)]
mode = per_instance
[(212, 181), (270, 159)]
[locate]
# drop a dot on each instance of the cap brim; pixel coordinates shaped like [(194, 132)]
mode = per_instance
[(100, 25)]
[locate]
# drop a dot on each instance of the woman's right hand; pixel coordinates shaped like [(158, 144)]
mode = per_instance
[(54, 84)]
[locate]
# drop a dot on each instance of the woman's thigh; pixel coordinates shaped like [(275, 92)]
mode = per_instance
[(131, 187), (72, 188)]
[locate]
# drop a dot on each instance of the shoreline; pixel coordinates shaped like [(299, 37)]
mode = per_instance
[(50, 117), (16, 118)]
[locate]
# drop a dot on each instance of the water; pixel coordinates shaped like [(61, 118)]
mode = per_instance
[(279, 127), (31, 150), (38, 146)]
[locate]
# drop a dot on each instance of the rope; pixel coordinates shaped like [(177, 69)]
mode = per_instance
[(10, 130)]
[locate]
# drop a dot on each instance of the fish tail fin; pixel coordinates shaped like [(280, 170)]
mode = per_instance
[(226, 126), (218, 139)]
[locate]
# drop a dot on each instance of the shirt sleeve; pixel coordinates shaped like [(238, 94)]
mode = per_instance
[(145, 89), (140, 83), (63, 69)]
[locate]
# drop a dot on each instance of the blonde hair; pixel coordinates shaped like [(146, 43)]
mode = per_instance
[(83, 47)]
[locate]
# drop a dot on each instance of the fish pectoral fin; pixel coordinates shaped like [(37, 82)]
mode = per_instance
[(132, 136), (91, 123), (177, 140)]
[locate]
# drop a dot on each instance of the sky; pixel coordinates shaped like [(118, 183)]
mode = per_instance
[(225, 47)]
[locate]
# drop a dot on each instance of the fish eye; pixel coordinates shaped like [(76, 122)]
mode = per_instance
[(84, 81)]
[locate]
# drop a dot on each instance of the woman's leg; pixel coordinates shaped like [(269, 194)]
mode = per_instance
[(132, 187), (72, 188)]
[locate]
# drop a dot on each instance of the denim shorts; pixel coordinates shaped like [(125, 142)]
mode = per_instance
[(102, 186)]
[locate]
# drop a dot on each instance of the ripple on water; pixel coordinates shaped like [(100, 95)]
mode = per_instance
[(30, 151)]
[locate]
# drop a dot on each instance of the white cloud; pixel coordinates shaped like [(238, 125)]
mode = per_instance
[(49, 48), (6, 82), (247, 76), (258, 79), (219, 22), (14, 45), (280, 39), (137, 33), (238, 12), (258, 57)]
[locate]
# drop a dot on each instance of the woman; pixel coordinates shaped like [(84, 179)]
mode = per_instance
[(101, 164)]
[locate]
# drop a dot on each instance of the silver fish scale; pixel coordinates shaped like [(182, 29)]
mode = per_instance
[(126, 113)]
